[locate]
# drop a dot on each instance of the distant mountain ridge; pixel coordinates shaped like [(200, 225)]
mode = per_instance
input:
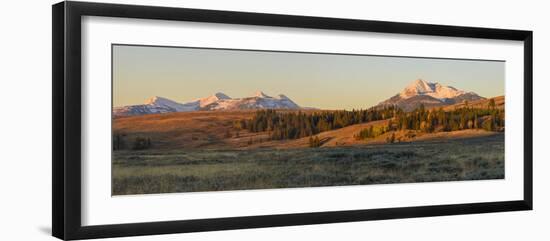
[(430, 94), (217, 101), (419, 92)]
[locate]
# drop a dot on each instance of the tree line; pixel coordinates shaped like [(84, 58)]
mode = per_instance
[(439, 120), (138, 143), (490, 119), (283, 125)]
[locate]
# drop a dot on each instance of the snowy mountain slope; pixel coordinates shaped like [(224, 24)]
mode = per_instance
[(218, 101), (213, 98), (257, 101), (154, 105), (163, 103), (430, 94), (436, 90)]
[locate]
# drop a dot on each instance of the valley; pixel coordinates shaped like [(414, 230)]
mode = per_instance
[(217, 130), (426, 133)]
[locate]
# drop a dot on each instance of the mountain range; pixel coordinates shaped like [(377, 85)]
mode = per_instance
[(217, 101), (430, 94)]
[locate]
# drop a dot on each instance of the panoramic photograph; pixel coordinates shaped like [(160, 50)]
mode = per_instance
[(201, 119)]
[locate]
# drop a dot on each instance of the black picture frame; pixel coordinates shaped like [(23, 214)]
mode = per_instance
[(66, 76)]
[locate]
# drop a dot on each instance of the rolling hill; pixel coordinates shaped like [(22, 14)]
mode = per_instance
[(217, 130)]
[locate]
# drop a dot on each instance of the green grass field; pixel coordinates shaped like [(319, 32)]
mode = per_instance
[(167, 171)]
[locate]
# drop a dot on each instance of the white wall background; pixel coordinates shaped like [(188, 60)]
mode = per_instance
[(25, 119)]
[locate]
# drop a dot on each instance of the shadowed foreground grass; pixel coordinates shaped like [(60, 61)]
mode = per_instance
[(161, 171)]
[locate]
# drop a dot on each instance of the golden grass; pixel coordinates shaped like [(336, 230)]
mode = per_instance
[(208, 129), (156, 171)]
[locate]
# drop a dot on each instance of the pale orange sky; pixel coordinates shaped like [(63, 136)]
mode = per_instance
[(325, 81)]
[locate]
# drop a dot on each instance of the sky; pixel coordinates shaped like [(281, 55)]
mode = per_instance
[(325, 81)]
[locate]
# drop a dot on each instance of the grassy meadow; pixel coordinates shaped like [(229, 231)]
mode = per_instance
[(211, 169)]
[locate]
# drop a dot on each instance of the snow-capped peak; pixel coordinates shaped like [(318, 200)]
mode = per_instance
[(259, 100), (217, 101), (160, 101), (430, 94), (436, 90), (164, 103), (421, 86), (261, 94), (213, 98)]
